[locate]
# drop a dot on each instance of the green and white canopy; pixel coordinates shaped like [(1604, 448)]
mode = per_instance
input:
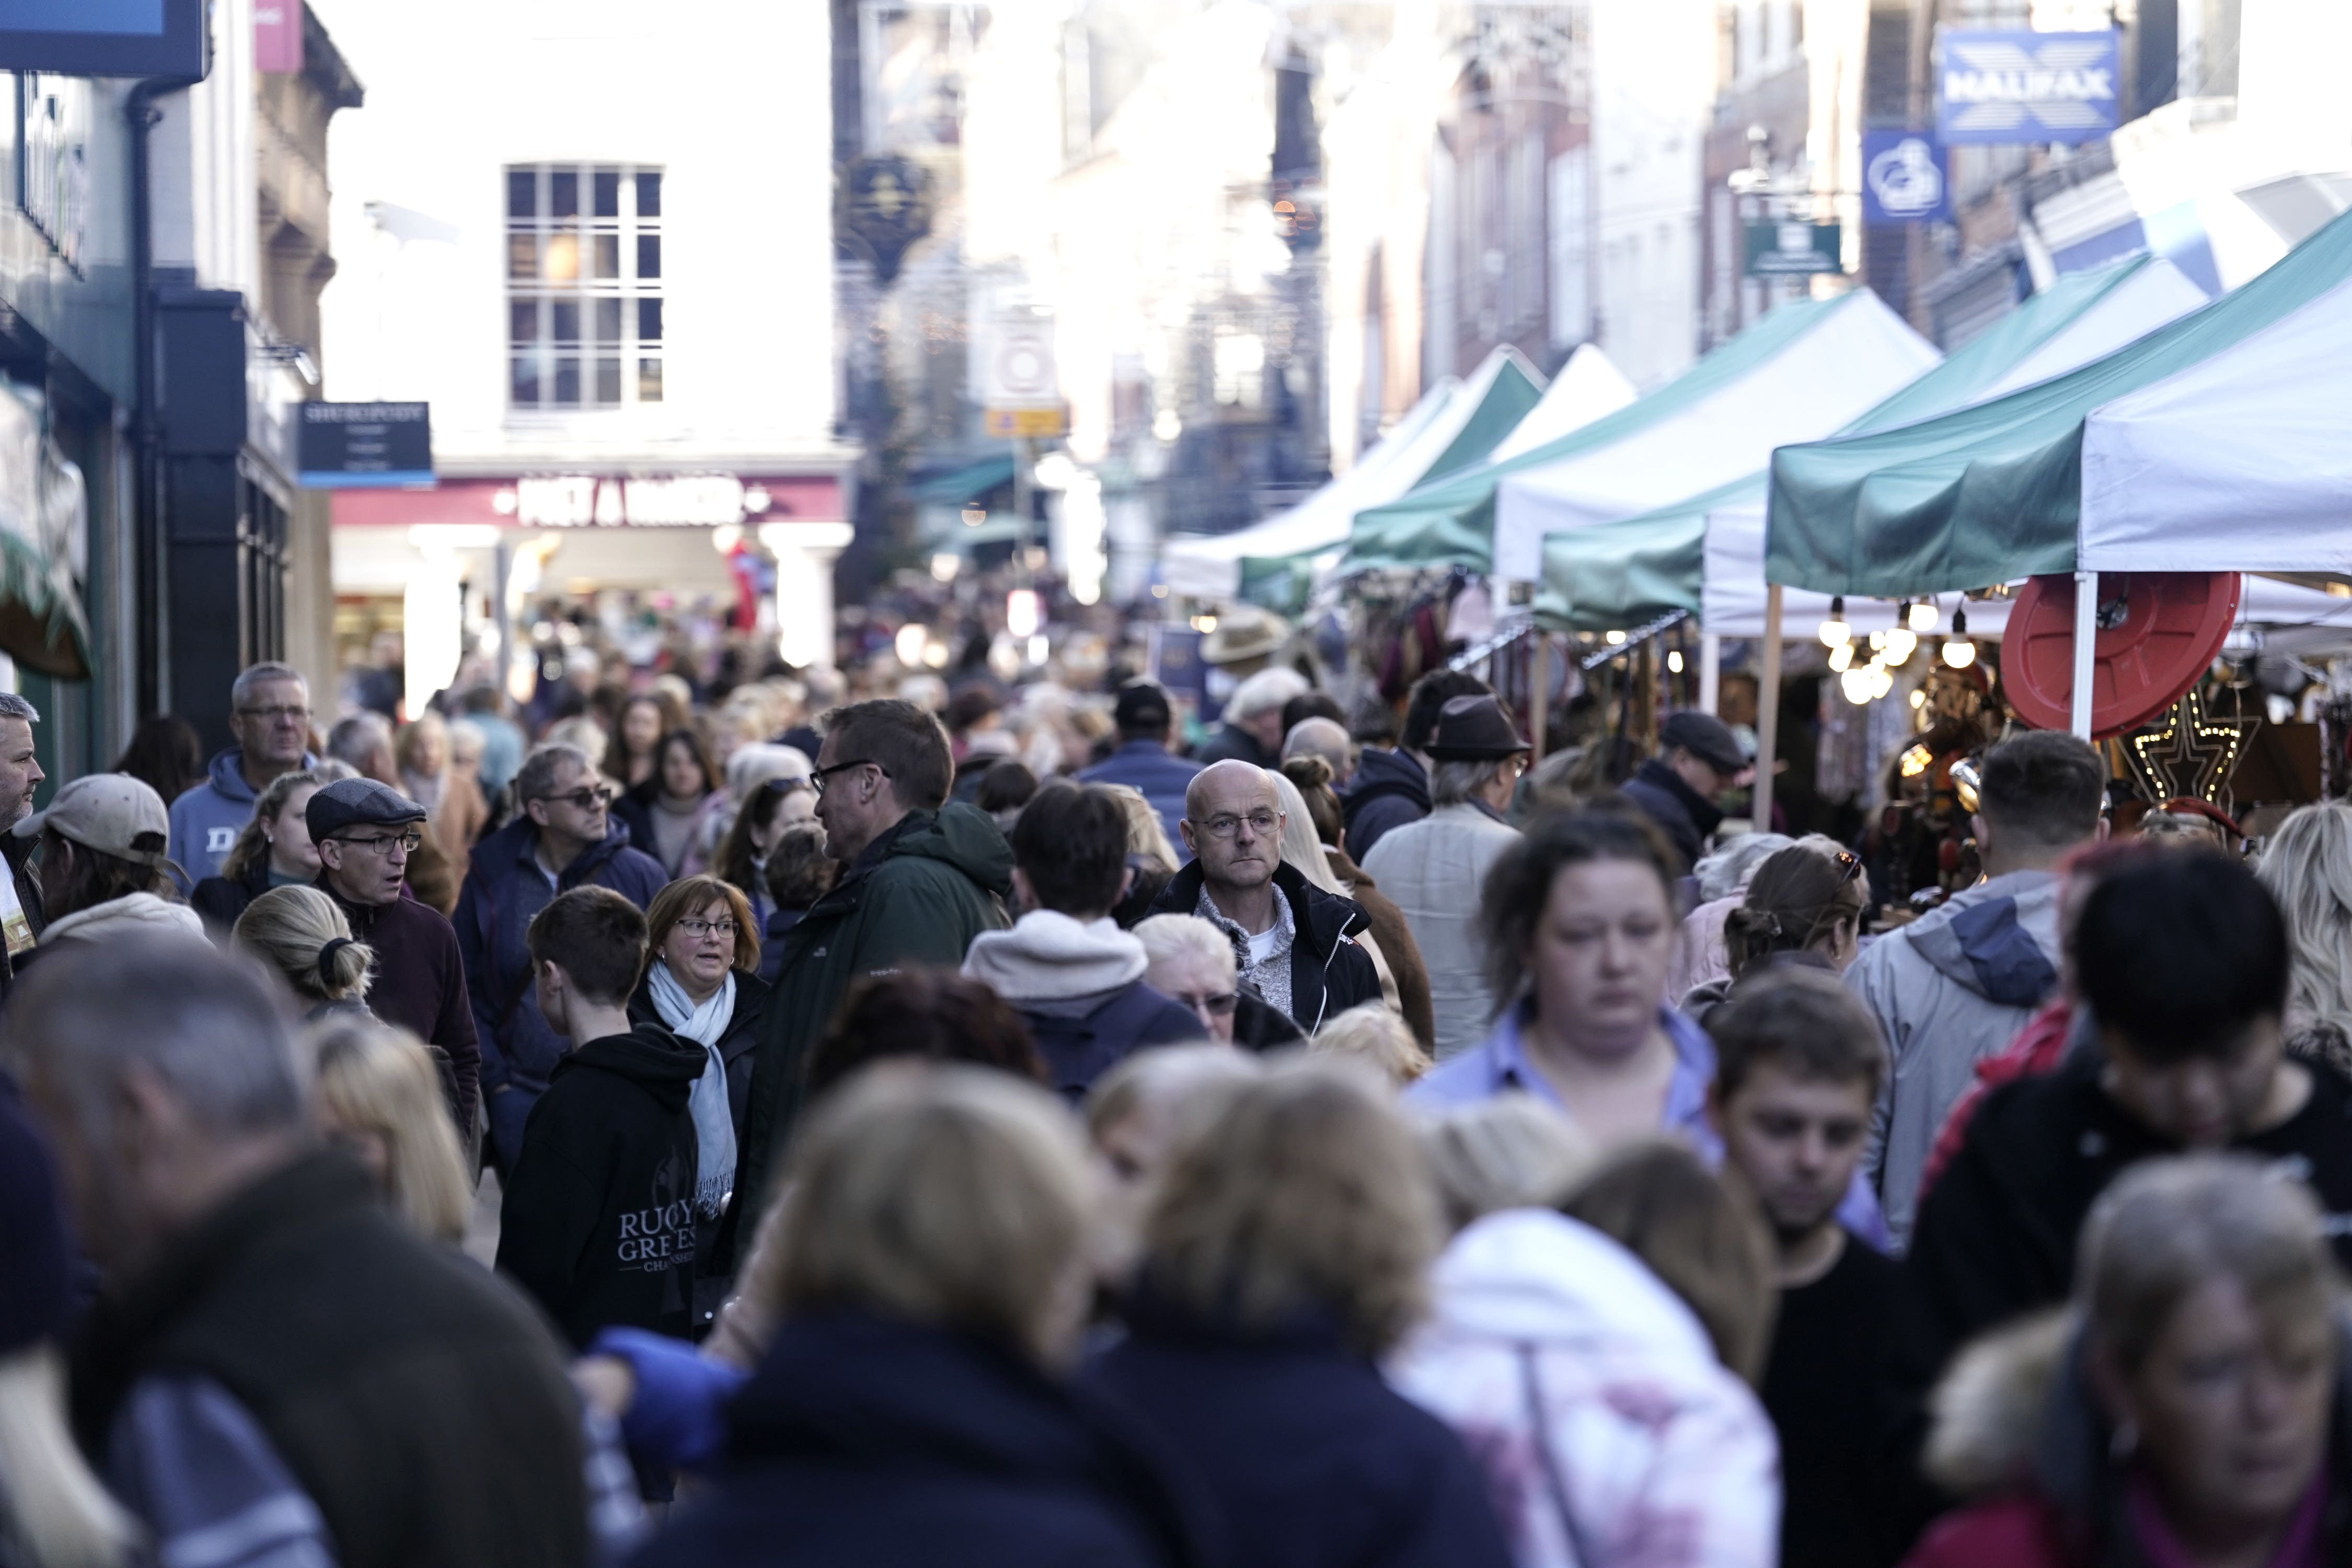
[(1624, 573), (1455, 425), (2245, 389)]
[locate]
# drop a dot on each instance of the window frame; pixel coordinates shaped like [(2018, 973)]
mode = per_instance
[(583, 270)]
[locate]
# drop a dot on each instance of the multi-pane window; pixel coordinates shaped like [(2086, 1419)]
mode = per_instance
[(584, 286)]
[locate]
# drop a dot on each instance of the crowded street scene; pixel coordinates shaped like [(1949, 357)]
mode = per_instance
[(1176, 783)]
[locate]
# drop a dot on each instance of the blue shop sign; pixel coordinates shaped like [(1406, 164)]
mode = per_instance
[(1904, 179), (2006, 88)]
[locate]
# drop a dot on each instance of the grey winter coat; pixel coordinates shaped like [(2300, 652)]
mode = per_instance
[(1435, 869)]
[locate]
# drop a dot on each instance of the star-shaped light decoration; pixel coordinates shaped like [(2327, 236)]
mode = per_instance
[(2189, 753)]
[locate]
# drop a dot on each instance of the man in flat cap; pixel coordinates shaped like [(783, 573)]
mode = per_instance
[(1698, 759)]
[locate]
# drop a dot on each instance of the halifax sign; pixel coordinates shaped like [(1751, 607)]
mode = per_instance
[(2007, 88)]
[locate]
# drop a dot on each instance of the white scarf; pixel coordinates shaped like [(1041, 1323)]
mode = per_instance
[(714, 1122)]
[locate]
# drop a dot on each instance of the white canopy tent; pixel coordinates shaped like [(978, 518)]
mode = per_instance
[(2152, 293), (1587, 386), (1847, 361)]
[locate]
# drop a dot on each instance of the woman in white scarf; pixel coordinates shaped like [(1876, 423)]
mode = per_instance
[(703, 987)]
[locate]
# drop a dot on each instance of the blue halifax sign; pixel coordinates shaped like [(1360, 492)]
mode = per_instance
[(2011, 88)]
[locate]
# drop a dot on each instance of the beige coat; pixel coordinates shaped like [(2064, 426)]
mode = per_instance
[(1435, 870)]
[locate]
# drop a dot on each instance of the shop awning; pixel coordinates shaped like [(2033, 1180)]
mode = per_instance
[(965, 485), (1455, 423), (1994, 492), (1811, 365), (1621, 574)]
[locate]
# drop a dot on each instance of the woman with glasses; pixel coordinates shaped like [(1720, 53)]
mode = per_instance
[(1192, 961), (1804, 906), (703, 985)]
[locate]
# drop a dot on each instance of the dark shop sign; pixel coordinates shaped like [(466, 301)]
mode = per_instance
[(364, 446)]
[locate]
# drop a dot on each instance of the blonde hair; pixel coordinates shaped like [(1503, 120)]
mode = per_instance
[(1301, 848), (291, 927), (1370, 1033), (1507, 1152), (1165, 1079), (64, 1516), (1145, 833), (1307, 1193), (2308, 869), (1186, 936), (413, 734), (946, 1194), (381, 1079)]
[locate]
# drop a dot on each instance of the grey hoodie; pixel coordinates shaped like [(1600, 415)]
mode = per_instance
[(1952, 988)]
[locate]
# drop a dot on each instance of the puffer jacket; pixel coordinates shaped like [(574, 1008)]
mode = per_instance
[(1435, 869), (917, 895), (2019, 1435), (1607, 1428), (1952, 988)]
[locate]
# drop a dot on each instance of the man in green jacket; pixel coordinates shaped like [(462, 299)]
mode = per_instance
[(918, 880)]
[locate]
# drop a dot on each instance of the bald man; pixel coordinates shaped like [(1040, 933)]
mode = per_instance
[(1292, 940), (1324, 738)]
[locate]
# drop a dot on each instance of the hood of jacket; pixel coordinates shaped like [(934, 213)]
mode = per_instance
[(122, 915), (964, 837), (227, 772), (1048, 956), (1380, 774), (1535, 1277), (648, 1055), (1321, 918), (498, 854), (1999, 939)]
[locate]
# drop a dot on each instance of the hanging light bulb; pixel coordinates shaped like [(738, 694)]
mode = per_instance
[(1856, 684), (1878, 642), (1922, 618), (1841, 657), (1918, 696), (1881, 681), (1674, 661), (1958, 652), (1901, 643), (1835, 630)]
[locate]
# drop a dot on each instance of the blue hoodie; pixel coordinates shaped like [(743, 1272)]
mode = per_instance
[(206, 820)]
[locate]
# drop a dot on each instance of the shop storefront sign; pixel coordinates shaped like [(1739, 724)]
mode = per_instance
[(1778, 247), (106, 37), (1903, 179), (674, 500), (358, 446), (2006, 88)]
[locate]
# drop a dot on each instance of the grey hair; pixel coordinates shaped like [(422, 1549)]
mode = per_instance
[(257, 674), (1177, 936), (1506, 1152), (536, 774), (15, 707), (212, 1027), (353, 738), (1726, 873), (1318, 737), (1451, 783), (1266, 692)]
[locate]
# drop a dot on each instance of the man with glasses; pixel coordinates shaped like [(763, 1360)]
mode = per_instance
[(365, 832), (1292, 940), (564, 836), (919, 879), (269, 715)]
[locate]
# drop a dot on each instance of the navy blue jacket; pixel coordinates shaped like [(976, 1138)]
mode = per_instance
[(1389, 790), (1079, 1046), (1686, 815), (504, 889), (1312, 1458), (862, 1441), (1148, 766)]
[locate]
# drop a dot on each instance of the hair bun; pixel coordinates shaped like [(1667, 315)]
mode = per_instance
[(1307, 772)]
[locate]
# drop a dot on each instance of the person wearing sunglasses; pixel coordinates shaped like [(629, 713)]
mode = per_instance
[(365, 832), (1804, 906), (563, 836)]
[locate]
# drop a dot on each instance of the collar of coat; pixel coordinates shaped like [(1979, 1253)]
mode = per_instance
[(1320, 918)]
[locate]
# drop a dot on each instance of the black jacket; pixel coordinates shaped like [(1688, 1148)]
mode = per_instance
[(1996, 1233), (419, 1401), (221, 899), (1686, 815), (1311, 1459), (862, 1440), (420, 984), (1082, 1040), (1232, 743), (599, 1221), (1389, 791), (736, 1043), (17, 858), (1328, 975)]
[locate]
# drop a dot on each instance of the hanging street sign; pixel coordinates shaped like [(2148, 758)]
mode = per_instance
[(364, 446), (1794, 248), (1903, 179), (2007, 88)]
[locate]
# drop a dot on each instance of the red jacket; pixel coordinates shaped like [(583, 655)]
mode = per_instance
[(2012, 1531)]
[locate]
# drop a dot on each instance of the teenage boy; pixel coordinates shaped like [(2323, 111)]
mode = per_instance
[(1072, 974), (599, 1218), (2183, 963), (1798, 1062)]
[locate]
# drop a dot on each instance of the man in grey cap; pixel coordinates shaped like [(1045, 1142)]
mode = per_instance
[(365, 832), (1698, 759), (1435, 868)]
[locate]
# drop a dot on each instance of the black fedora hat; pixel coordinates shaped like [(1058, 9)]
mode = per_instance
[(1474, 729)]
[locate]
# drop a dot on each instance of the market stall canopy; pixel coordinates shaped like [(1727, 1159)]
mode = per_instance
[(1454, 424), (1717, 420), (1588, 386), (1994, 492), (2239, 463), (1624, 573)]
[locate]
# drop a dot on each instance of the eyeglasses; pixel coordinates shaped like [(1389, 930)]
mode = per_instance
[(582, 799), (818, 777), (408, 843), (698, 929), (1262, 823), (1220, 1005), (285, 713)]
